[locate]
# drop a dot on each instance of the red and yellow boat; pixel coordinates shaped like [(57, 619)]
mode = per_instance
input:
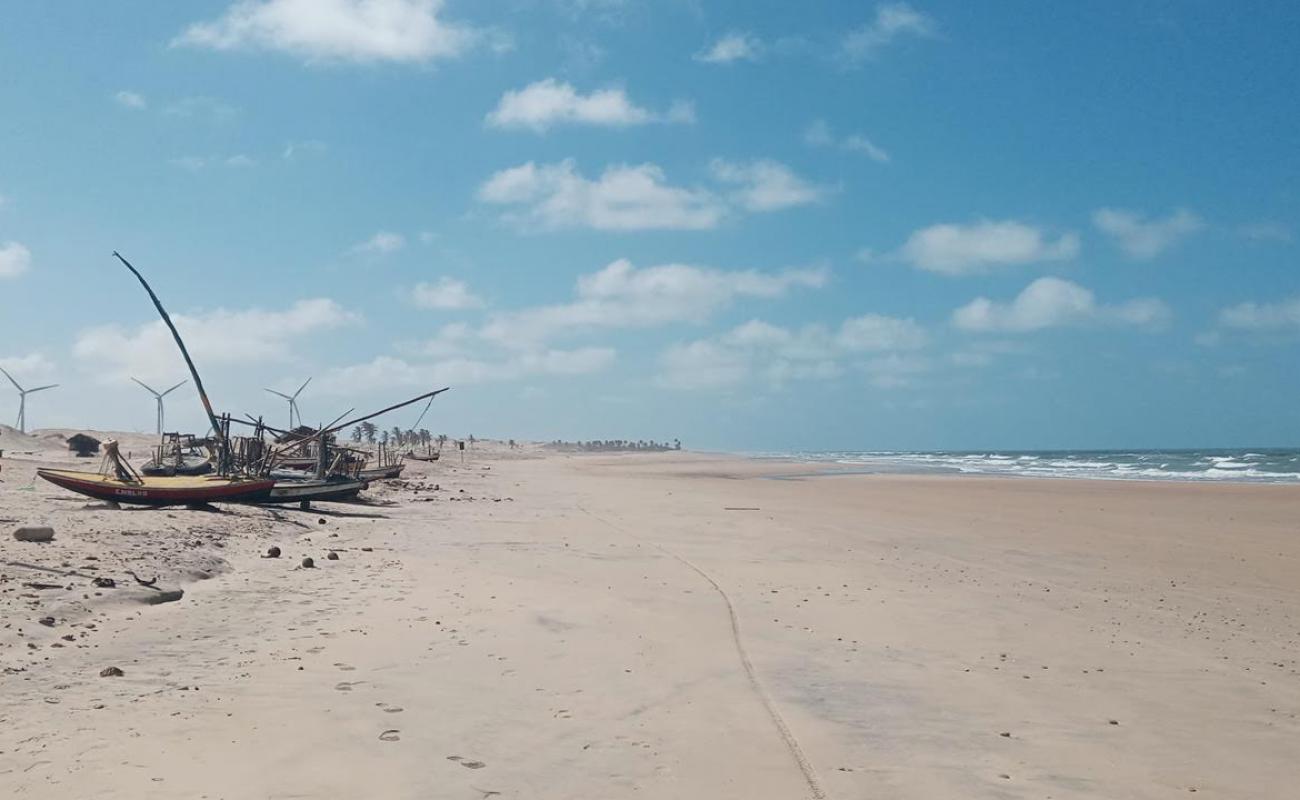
[(177, 490)]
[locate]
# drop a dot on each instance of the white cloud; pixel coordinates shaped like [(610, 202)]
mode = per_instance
[(1054, 302), (34, 367), (547, 103), (860, 144), (766, 185), (130, 100), (452, 339), (200, 106), (733, 47), (622, 296), (335, 30), (15, 259), (876, 333), (1281, 315), (306, 147), (953, 249), (461, 371), (382, 243), (198, 163), (1143, 238), (623, 198), (758, 350), (216, 337), (702, 365), (627, 197), (446, 294), (819, 134), (892, 21)]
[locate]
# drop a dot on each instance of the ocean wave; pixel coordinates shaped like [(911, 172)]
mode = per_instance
[(1279, 466)]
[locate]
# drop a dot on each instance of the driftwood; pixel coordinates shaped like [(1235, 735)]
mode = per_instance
[(153, 584)]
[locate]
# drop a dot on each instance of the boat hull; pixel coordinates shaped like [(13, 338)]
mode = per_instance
[(382, 473), (313, 490), (160, 491)]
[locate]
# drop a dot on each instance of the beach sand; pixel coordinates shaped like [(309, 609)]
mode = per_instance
[(546, 625)]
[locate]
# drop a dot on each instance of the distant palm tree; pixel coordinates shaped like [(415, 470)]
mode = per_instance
[(368, 430)]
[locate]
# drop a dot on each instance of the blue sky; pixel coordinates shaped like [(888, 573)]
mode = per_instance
[(751, 225)]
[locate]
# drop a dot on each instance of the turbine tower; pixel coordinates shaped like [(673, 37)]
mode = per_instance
[(293, 403), (22, 399), (159, 397)]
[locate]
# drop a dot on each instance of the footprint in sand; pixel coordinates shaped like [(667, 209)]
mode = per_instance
[(390, 736), (387, 709), (346, 686), (467, 764), (344, 667)]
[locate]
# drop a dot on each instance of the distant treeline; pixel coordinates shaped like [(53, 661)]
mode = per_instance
[(367, 432), (617, 445)]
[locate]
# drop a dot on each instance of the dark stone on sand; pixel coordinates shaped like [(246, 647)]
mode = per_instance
[(333, 556), (308, 563), (1114, 722), (1005, 734), (104, 583), (164, 596), (367, 549), (321, 521), (111, 672), (272, 552), (47, 621), (34, 533)]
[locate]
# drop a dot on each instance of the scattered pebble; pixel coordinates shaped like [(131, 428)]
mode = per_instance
[(272, 552), (34, 533), (111, 672), (308, 562)]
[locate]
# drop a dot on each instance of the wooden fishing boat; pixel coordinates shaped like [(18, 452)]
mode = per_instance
[(195, 464), (434, 456), (161, 490), (382, 473), (332, 488)]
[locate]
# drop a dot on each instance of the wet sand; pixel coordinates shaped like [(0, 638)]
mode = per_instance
[(678, 625)]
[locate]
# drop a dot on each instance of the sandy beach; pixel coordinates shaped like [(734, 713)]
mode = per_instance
[(533, 624)]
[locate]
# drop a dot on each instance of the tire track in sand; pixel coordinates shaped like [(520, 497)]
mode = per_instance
[(791, 743)]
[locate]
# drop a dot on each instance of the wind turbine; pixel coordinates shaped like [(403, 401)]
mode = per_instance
[(159, 397), (293, 402), (22, 399)]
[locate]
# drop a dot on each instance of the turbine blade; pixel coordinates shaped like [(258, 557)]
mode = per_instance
[(300, 388), (279, 394), (41, 388), (174, 388), (147, 387), (11, 379)]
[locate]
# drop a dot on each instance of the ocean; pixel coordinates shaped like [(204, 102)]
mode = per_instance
[(1270, 465)]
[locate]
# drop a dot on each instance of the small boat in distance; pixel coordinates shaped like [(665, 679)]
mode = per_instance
[(382, 473)]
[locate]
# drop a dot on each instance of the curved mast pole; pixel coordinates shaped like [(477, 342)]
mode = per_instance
[(194, 373)]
